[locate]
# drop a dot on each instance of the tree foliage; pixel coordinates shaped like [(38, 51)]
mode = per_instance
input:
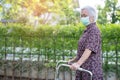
[(42, 10), (110, 13)]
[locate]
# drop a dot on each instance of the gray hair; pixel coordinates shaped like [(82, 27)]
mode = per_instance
[(92, 12)]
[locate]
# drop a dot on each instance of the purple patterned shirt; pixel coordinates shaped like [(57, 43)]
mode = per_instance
[(91, 39)]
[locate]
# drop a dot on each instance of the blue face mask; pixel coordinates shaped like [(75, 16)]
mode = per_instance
[(85, 20)]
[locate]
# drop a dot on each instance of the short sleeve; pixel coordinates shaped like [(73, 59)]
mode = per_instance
[(93, 42)]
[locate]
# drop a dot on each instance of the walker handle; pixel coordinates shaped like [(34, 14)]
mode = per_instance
[(58, 65)]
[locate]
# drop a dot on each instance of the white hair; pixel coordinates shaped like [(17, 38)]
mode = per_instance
[(91, 11)]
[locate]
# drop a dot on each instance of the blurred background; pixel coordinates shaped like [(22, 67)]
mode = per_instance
[(35, 34)]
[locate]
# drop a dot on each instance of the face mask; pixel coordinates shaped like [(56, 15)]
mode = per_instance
[(85, 20)]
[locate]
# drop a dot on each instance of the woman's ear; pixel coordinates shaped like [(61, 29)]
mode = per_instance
[(92, 19)]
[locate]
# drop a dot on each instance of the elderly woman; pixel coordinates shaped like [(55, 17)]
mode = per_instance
[(89, 48)]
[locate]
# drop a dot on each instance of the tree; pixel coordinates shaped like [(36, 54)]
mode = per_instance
[(110, 13), (40, 10)]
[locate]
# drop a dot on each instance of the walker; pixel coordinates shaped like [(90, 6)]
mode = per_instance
[(64, 64)]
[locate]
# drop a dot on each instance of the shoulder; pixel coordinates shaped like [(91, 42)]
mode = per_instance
[(94, 30)]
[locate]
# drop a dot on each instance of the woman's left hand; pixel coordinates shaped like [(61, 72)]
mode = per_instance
[(74, 66)]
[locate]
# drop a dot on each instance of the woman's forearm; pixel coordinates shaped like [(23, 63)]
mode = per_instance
[(84, 57)]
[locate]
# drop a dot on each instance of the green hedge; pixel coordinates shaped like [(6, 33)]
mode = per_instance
[(71, 33), (109, 31), (56, 42)]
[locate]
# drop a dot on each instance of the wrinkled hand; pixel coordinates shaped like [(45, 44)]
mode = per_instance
[(74, 66)]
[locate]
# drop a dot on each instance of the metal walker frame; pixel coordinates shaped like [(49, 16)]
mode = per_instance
[(64, 64)]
